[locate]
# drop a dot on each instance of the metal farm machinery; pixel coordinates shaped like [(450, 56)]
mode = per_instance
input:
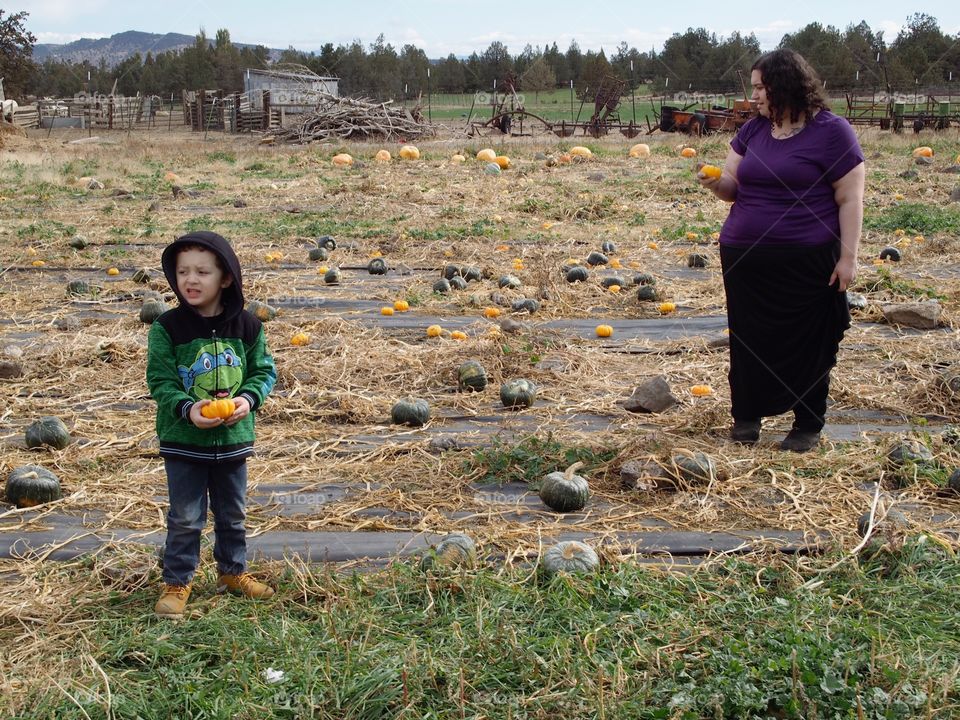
[(508, 114)]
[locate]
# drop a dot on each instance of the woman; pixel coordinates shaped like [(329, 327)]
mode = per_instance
[(788, 249)]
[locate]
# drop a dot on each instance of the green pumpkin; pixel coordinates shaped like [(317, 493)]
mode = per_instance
[(453, 551), (78, 242), (577, 273), (612, 280), (596, 258), (471, 274), (893, 519), (527, 305), (608, 247), (78, 287), (890, 253), (471, 376), (48, 431), (694, 468), (908, 451), (647, 293), (696, 260), (333, 276), (569, 556), (31, 485), (318, 253), (326, 242), (953, 482), (377, 266), (509, 281), (151, 310), (410, 411), (142, 276), (458, 283), (441, 286), (451, 271), (564, 491), (261, 311), (518, 393), (644, 279)]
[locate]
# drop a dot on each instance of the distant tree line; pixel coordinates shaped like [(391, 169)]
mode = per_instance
[(857, 58)]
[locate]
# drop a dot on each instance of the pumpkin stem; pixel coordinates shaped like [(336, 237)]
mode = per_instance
[(568, 473)]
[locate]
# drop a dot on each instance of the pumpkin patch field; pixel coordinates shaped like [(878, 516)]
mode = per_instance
[(502, 389)]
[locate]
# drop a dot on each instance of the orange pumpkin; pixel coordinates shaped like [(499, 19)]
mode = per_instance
[(923, 151), (701, 390), (666, 307), (711, 171), (434, 331), (386, 310), (383, 156), (604, 331), (343, 160), (300, 339), (688, 152), (410, 152), (222, 408), (491, 312), (640, 150), (487, 155), (503, 161), (458, 335), (113, 271), (401, 306)]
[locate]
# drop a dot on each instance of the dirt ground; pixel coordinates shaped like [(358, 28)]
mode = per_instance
[(328, 422)]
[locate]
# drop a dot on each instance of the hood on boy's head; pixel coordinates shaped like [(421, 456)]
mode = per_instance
[(217, 244)]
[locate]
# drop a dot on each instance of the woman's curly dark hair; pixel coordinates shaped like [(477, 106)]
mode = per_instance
[(792, 85)]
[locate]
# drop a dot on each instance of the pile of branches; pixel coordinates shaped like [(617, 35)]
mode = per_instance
[(355, 119)]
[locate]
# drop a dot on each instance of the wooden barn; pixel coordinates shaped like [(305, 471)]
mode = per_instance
[(293, 90)]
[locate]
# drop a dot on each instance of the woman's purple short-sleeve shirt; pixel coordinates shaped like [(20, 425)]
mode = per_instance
[(785, 193)]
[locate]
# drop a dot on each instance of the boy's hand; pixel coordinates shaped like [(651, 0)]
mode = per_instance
[(241, 410), (204, 423)]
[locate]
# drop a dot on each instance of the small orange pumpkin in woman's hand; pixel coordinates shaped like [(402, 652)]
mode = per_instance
[(222, 409)]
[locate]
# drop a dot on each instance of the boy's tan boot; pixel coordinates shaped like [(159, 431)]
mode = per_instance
[(244, 584), (172, 601)]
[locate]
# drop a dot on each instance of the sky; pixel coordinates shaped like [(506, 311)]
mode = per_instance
[(442, 27)]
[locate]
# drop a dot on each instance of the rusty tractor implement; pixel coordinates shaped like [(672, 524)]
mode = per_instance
[(508, 115)]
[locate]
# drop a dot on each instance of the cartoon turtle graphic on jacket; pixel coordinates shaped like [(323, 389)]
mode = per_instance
[(216, 373)]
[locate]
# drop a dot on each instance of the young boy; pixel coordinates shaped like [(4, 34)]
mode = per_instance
[(208, 348)]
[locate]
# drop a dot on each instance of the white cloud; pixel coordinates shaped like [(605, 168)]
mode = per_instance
[(890, 29)]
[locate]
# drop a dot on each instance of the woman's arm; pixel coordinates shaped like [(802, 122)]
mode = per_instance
[(725, 186), (848, 194)]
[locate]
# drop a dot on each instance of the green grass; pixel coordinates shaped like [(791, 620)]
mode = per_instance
[(740, 640), (532, 458), (884, 280), (914, 218)]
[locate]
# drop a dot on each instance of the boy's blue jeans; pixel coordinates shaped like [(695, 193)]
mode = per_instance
[(188, 485)]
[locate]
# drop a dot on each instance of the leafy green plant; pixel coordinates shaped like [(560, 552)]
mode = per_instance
[(884, 280), (914, 218), (530, 459)]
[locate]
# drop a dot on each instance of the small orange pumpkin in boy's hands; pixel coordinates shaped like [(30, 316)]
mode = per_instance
[(222, 409)]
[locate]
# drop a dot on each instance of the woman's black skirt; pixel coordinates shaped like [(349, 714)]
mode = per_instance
[(785, 324)]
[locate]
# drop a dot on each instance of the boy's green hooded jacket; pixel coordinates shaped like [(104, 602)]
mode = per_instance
[(191, 357)]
